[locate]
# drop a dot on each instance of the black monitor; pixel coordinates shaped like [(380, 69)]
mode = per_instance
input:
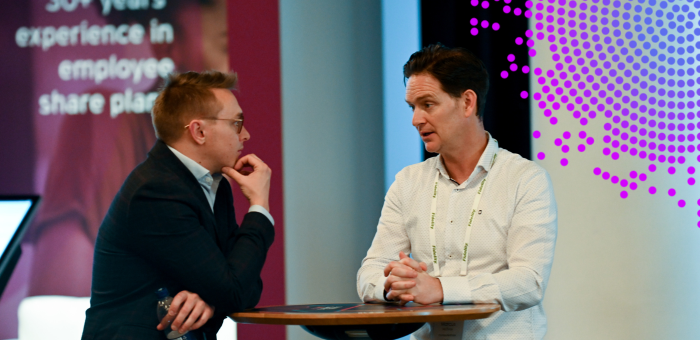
[(16, 212)]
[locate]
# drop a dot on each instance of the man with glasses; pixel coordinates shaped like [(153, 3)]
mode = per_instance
[(172, 224)]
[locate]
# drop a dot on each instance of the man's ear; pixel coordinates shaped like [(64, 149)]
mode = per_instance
[(469, 99), (196, 131)]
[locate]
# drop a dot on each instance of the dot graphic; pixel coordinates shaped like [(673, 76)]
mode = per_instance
[(625, 74), (540, 155)]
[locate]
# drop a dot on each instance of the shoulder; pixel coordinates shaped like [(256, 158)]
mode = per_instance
[(516, 167), (153, 180), (417, 171), (522, 178)]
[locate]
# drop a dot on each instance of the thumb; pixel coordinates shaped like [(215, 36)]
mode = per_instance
[(402, 255), (235, 175)]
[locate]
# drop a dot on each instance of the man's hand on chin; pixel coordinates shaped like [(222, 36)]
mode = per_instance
[(255, 184), (407, 280)]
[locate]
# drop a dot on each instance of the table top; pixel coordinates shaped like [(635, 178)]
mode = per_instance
[(363, 314)]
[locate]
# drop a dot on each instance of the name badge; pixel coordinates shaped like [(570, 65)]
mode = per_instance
[(448, 330)]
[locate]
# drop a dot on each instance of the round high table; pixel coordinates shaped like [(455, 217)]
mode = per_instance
[(344, 321)]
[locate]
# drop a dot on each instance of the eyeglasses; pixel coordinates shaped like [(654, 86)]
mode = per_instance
[(238, 123)]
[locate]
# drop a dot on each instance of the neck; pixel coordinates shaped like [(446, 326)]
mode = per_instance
[(461, 163), (193, 151)]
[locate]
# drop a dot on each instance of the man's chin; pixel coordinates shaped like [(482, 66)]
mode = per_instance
[(430, 147)]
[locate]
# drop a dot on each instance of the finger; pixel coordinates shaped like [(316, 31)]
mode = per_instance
[(185, 311), (206, 315), (233, 174), (241, 162), (389, 281), (389, 267), (193, 317), (407, 261), (404, 272), (230, 172), (406, 298), (175, 305), (249, 159), (424, 266), (394, 294), (165, 322), (402, 255), (403, 285)]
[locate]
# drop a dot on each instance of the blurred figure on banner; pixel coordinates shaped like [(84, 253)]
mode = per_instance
[(172, 224), (91, 155), (478, 221)]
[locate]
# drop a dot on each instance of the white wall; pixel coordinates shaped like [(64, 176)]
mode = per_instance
[(624, 268), (333, 145)]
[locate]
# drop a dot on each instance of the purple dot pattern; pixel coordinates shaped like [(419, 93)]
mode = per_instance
[(631, 68)]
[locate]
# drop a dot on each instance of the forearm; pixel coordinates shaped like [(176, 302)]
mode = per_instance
[(514, 289), (370, 283), (246, 259)]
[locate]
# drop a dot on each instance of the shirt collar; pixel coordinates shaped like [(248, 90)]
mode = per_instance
[(485, 161), (200, 173)]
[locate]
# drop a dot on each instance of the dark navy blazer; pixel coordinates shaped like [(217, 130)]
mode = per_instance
[(160, 232)]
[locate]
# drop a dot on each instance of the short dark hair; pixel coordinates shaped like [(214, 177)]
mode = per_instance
[(187, 96), (457, 70)]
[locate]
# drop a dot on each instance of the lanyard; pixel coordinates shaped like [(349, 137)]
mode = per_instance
[(467, 235)]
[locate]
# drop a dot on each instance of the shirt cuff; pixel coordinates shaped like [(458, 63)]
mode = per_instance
[(262, 210), (455, 290), (379, 290)]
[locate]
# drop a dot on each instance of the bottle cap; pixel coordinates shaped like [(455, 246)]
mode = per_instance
[(162, 293)]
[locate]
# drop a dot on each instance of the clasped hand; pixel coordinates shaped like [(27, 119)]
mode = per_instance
[(255, 184), (187, 312), (408, 280)]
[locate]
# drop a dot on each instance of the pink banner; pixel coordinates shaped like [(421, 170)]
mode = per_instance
[(95, 68)]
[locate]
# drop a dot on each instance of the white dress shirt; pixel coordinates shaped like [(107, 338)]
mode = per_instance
[(210, 183), (510, 250)]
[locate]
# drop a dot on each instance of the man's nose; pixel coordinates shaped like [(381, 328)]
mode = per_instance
[(418, 119), (245, 135)]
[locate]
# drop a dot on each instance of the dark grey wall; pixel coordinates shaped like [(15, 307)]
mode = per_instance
[(333, 145)]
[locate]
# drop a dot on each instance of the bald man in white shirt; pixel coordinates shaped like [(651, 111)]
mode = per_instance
[(479, 222)]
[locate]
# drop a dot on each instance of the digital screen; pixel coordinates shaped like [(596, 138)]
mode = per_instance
[(11, 215)]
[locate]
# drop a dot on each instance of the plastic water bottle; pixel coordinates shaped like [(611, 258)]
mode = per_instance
[(164, 301)]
